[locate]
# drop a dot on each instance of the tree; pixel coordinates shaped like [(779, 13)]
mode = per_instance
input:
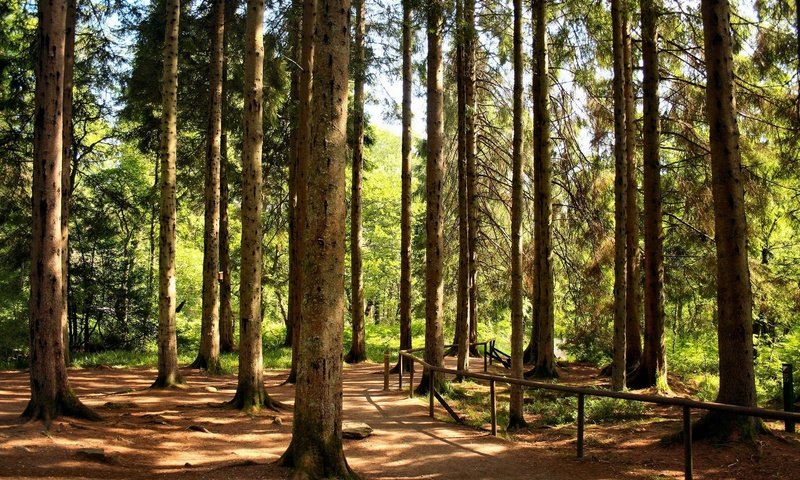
[(226, 341), (620, 197), (434, 171), (543, 171), (652, 370), (734, 297), (250, 391), (358, 349), (168, 373), (66, 161), (51, 395), (316, 447), (472, 168), (208, 356), (516, 415), (405, 194)]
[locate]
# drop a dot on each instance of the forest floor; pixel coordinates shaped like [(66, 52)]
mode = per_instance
[(146, 434)]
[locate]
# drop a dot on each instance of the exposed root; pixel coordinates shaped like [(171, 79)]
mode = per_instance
[(66, 404), (210, 365), (721, 427), (169, 381), (354, 357), (252, 400)]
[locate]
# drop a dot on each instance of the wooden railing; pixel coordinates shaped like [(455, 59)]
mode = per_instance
[(686, 404)]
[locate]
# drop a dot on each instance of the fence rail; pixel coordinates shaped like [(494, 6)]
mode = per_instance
[(686, 404)]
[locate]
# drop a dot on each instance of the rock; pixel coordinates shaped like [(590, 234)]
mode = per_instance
[(277, 421), (119, 405), (356, 430), (22, 448), (197, 428), (210, 389), (98, 455)]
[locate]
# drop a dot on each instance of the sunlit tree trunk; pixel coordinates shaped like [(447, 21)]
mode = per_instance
[(734, 297), (168, 373), (66, 164), (250, 391), (652, 370), (358, 348), (301, 169), (472, 166), (51, 395), (633, 332), (543, 172), (316, 447), (620, 197), (405, 195), (516, 415), (434, 242), (208, 356), (226, 340)]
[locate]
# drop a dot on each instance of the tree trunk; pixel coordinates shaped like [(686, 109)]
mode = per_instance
[(226, 340), (51, 395), (168, 373), (208, 357), (295, 46), (633, 331), (652, 369), (734, 298), (316, 447), (462, 301), (405, 214), (620, 197), (543, 172), (472, 167), (358, 348), (434, 241), (66, 164), (516, 413), (301, 169), (250, 392)]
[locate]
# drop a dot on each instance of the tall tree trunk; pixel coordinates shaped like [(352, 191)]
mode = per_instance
[(472, 167), (620, 197), (168, 373), (226, 340), (652, 369), (51, 395), (516, 413), (316, 447), (358, 348), (208, 356), (434, 242), (295, 40), (734, 297), (250, 392), (462, 300), (66, 164), (301, 169), (405, 200), (543, 172), (633, 331)]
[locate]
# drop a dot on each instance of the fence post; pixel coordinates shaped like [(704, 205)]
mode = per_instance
[(493, 406), (386, 370), (788, 394), (400, 371), (491, 348), (581, 401), (411, 380), (431, 392), (485, 357), (687, 443)]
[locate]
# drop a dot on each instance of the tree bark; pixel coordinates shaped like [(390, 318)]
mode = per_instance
[(516, 413), (66, 164), (226, 340), (620, 192), (434, 242), (208, 356), (652, 369), (405, 200), (168, 373), (358, 347), (51, 395), (250, 392), (462, 301), (316, 447), (734, 297), (295, 46), (472, 167), (543, 172), (633, 331), (301, 169)]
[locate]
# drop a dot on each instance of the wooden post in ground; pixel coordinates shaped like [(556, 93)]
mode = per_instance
[(493, 406), (581, 401), (386, 371)]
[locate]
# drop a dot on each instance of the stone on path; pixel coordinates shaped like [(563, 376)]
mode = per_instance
[(356, 430)]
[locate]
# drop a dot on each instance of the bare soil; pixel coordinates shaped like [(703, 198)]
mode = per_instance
[(185, 434)]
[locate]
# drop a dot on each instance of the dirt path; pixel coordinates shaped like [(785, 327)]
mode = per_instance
[(145, 435)]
